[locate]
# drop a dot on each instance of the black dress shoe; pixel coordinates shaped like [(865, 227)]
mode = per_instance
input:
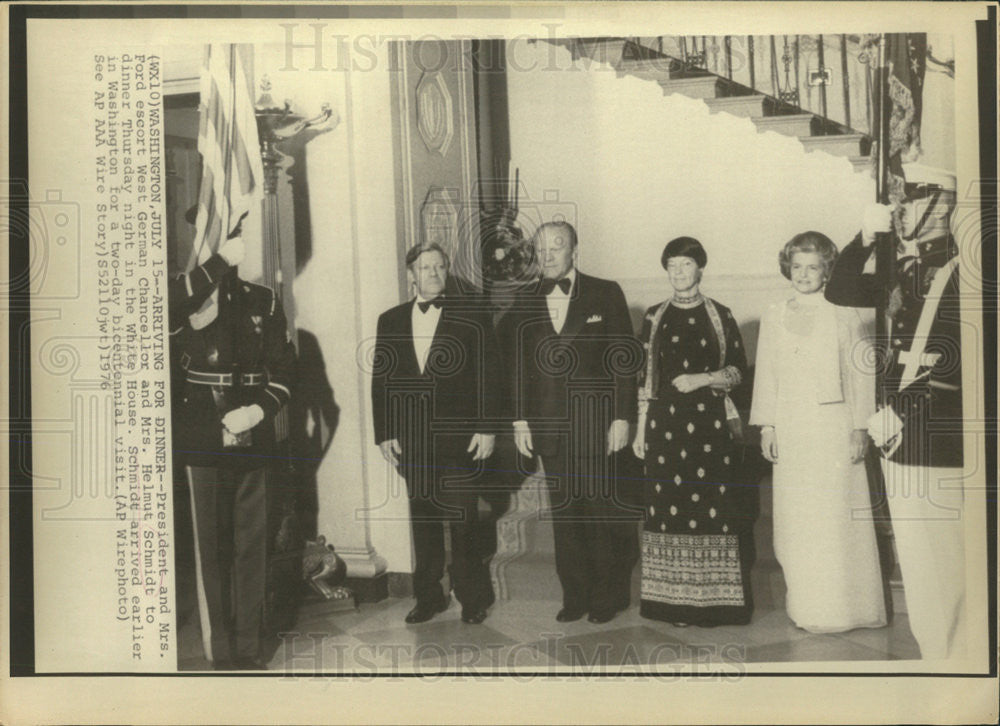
[(473, 616), (424, 612), (601, 617), (568, 616), (249, 663)]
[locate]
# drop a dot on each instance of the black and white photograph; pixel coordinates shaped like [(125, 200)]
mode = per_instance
[(508, 351)]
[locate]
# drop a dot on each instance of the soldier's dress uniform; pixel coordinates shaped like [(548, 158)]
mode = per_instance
[(243, 357), (923, 464)]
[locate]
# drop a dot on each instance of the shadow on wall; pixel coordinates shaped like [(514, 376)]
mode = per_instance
[(298, 180), (314, 417)]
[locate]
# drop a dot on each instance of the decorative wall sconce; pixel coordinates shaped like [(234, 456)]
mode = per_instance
[(276, 124)]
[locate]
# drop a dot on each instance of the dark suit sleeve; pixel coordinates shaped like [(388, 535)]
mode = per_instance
[(849, 285), (186, 293), (511, 364), (381, 362), (279, 359), (626, 357), (493, 385)]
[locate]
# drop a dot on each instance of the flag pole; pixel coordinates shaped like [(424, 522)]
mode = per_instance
[(232, 276), (885, 263), (885, 270)]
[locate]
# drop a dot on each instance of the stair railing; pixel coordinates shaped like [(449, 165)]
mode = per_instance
[(824, 75)]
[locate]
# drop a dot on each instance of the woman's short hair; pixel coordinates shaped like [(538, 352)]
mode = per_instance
[(808, 242), (414, 252), (684, 247)]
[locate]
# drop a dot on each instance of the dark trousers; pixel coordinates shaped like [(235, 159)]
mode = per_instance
[(229, 508), (595, 529), (439, 501)]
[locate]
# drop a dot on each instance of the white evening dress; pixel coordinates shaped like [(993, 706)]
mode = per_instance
[(814, 383)]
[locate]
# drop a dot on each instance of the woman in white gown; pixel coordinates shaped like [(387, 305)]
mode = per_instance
[(813, 394)]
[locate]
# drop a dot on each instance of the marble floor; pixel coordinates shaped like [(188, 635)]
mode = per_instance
[(521, 634)]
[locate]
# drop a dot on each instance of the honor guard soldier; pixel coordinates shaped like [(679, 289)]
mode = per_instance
[(232, 359), (918, 427)]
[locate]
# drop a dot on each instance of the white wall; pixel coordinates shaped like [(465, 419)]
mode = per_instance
[(349, 280), (637, 168)]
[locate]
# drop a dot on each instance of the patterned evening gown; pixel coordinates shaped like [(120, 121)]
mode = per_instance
[(697, 543)]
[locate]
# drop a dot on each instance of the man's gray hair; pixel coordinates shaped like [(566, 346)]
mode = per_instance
[(414, 253)]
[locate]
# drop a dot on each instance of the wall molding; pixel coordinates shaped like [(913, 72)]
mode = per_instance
[(435, 113)]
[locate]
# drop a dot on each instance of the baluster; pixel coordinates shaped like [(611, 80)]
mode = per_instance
[(774, 69), (846, 81), (822, 85), (798, 93), (727, 43), (751, 60)]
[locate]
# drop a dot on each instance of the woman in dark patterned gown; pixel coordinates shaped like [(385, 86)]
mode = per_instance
[(697, 543)]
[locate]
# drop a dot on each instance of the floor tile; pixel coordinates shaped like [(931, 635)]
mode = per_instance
[(814, 648), (446, 640), (897, 640), (521, 634), (612, 649)]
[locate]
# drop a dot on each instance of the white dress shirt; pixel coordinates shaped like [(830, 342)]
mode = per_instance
[(558, 301), (424, 325)]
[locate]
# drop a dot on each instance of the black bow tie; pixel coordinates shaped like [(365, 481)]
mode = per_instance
[(425, 306), (548, 285)]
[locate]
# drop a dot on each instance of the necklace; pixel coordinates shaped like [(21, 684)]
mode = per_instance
[(687, 301)]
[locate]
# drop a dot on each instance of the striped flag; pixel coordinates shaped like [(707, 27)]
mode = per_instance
[(232, 172)]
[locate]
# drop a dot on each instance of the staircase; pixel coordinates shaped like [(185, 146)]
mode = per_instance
[(524, 565), (725, 95)]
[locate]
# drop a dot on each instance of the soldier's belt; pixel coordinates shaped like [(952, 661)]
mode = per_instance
[(225, 379)]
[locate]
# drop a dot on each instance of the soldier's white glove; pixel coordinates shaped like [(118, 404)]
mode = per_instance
[(877, 219), (243, 418), (233, 251), (885, 428)]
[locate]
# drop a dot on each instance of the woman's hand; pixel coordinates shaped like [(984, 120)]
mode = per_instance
[(859, 445), (769, 444), (639, 442), (688, 382)]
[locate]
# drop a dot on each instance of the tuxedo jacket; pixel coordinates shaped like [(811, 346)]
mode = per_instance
[(434, 413), (571, 384), (931, 406)]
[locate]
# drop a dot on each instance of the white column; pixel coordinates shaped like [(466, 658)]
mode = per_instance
[(351, 277)]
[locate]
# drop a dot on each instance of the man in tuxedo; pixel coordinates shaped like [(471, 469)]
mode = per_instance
[(918, 429), (436, 403), (231, 365), (572, 357)]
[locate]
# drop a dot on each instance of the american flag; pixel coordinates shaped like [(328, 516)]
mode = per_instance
[(232, 171)]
